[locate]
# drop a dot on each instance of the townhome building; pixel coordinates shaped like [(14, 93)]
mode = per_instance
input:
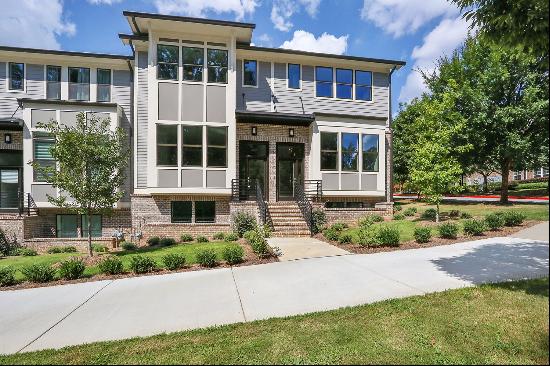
[(216, 125)]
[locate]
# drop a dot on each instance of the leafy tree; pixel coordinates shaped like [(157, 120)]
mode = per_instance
[(91, 162)]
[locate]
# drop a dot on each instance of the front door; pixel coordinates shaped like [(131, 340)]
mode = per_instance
[(253, 166), (9, 188), (290, 169)]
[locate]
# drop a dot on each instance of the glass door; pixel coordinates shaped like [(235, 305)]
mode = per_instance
[(290, 169), (252, 167), (9, 188)]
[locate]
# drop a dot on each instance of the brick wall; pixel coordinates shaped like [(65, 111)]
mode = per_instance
[(352, 215), (16, 140), (41, 245), (13, 226)]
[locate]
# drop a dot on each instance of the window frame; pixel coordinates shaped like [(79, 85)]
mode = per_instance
[(57, 216), (342, 151), (165, 144), (321, 151), (208, 146), (177, 63), (243, 72), (48, 82), (200, 221), (183, 65), (371, 86), (180, 148), (288, 76), (208, 67), (325, 82), (336, 83), (23, 88), (98, 85), (83, 226), (363, 152), (41, 138), (181, 221), (69, 83)]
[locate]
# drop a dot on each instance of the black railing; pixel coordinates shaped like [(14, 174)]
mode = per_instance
[(243, 189), (313, 189), (26, 205), (305, 206), (265, 217)]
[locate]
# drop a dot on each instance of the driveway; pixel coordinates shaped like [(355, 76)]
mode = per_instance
[(54, 317)]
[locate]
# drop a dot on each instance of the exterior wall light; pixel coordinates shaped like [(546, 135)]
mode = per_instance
[(290, 132), (7, 138), (254, 130)]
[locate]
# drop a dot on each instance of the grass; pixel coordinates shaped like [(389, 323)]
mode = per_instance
[(491, 324), (188, 250)]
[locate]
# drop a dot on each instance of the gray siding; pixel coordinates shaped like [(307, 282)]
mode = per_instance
[(255, 99), (142, 119), (122, 95), (34, 88)]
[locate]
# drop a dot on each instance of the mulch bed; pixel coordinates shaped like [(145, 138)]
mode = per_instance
[(250, 259), (358, 249)]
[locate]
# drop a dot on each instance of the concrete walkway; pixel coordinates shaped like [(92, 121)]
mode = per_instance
[(304, 247), (537, 232), (54, 317)]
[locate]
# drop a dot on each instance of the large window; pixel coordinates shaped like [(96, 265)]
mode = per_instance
[(97, 228), (518, 175), (193, 63), (103, 85), (344, 84), (363, 85), (216, 147), (250, 73), (167, 62), (294, 76), (191, 149), (42, 155), (181, 211), (370, 153), (79, 83), (53, 82), (323, 78), (67, 226), (350, 145), (541, 172), (205, 211), (167, 145), (17, 76), (329, 151), (217, 66)]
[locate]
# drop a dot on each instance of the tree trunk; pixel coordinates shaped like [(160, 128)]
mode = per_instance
[(485, 183), (89, 223), (437, 213), (505, 171)]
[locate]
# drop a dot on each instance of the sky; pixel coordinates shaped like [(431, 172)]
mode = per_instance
[(417, 32)]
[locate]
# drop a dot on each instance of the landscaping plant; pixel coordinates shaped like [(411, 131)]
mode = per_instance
[(128, 245), (99, 248), (410, 211), (7, 245), (345, 238), (207, 258), (448, 230), (7, 276), (257, 242), (111, 265), (233, 254), (430, 214), (218, 236), (72, 268), (368, 220), (494, 221), (153, 241), (173, 261), (142, 264), (513, 218), (422, 234), (474, 227), (399, 217), (27, 252), (231, 237), (166, 242), (331, 234), (243, 222), (319, 219), (38, 272), (454, 214), (202, 239), (185, 238)]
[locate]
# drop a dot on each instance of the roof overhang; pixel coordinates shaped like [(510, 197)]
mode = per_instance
[(274, 118), (11, 124), (23, 101)]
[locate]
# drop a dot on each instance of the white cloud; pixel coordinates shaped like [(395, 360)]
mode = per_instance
[(265, 40), (282, 11), (106, 2), (442, 40), (33, 23), (399, 17), (325, 43), (198, 8)]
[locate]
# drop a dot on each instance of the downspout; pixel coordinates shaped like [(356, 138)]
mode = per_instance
[(389, 144)]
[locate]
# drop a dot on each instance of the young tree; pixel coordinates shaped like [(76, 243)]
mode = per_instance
[(91, 162)]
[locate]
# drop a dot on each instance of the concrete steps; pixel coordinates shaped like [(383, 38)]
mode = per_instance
[(287, 220)]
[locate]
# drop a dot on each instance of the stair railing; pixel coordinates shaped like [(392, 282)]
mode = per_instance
[(265, 217), (305, 206)]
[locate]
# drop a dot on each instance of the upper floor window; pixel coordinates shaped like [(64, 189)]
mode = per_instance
[(167, 145), (363, 85), (250, 73), (370, 153), (193, 63), (294, 76), (541, 172), (518, 175), (329, 151), (79, 83), (191, 149), (53, 82), (216, 147), (350, 151), (103, 85), (344, 84), (323, 78), (167, 62), (42, 154), (17, 76), (217, 66)]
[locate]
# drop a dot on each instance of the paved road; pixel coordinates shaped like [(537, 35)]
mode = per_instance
[(54, 317), (542, 201)]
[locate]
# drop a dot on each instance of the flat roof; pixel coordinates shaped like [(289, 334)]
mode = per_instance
[(65, 53), (67, 102), (290, 119)]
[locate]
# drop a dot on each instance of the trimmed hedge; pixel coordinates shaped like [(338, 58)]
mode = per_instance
[(72, 269), (422, 234), (142, 264), (494, 221), (39, 272), (233, 254), (207, 258), (474, 227), (111, 265), (448, 230), (173, 261)]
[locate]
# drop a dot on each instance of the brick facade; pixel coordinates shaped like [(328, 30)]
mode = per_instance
[(351, 215), (16, 140), (13, 226)]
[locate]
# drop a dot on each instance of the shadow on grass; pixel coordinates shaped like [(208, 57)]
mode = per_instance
[(538, 287)]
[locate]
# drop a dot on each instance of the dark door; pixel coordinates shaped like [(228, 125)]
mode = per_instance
[(252, 166), (11, 162), (290, 169)]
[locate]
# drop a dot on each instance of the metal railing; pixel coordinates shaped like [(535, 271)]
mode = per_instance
[(243, 189), (265, 217), (302, 200), (313, 189), (27, 206)]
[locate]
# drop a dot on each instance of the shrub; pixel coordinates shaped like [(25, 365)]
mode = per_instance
[(207, 258), (258, 243), (219, 236), (388, 236), (173, 261), (319, 219), (448, 230), (411, 211), (494, 221), (70, 249), (202, 239), (454, 214), (513, 218), (331, 234), (422, 234), (474, 227), (27, 252), (8, 246), (339, 226), (233, 254), (99, 248), (345, 238), (39, 272), (397, 206), (54, 250), (243, 222), (7, 276), (399, 217), (465, 215), (153, 241), (142, 264), (367, 221), (111, 265), (266, 231), (166, 242), (231, 237), (127, 245), (186, 238), (429, 214), (72, 268)]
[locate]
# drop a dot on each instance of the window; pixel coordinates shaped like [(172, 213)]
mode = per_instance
[(79, 83), (191, 149), (370, 153), (193, 63), (205, 211), (294, 77), (53, 82), (517, 175), (167, 145), (216, 147), (103, 85), (250, 73), (217, 66), (329, 151), (17, 76), (97, 227), (167, 62), (181, 211), (350, 144), (363, 85), (323, 77), (344, 84), (67, 226), (344, 204), (42, 155), (541, 172)]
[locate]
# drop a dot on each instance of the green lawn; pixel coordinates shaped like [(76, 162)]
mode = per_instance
[(492, 324), (189, 250)]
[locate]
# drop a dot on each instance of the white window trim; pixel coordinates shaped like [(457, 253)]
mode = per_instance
[(336, 84), (46, 81), (315, 83), (257, 74), (287, 79), (181, 64), (89, 83), (110, 86), (371, 87), (8, 77)]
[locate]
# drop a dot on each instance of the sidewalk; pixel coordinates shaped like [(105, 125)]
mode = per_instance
[(54, 317), (481, 198)]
